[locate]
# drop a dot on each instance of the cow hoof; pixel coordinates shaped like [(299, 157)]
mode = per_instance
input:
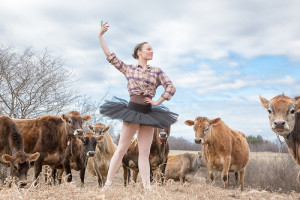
[(69, 178), (225, 178), (212, 177)]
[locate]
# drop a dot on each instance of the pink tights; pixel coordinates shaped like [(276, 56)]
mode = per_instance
[(144, 138)]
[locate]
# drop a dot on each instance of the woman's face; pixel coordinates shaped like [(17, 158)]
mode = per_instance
[(146, 52)]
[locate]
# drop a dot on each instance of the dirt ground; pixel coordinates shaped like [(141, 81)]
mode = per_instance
[(199, 188)]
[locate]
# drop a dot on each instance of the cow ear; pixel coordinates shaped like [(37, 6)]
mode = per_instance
[(264, 102), (91, 127), (214, 121), (100, 138), (297, 107), (107, 128), (6, 158), (64, 117), (86, 118), (34, 157), (189, 122)]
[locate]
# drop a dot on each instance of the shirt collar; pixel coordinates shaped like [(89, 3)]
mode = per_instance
[(139, 66)]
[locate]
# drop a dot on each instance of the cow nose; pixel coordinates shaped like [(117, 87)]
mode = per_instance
[(163, 135), (90, 153), (78, 132), (198, 141), (279, 124), (22, 184)]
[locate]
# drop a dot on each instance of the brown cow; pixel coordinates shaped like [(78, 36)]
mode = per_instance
[(224, 149), (48, 135), (284, 118), (182, 165), (158, 157), (78, 151), (12, 150), (105, 149)]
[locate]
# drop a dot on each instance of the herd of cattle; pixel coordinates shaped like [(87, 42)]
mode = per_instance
[(61, 144)]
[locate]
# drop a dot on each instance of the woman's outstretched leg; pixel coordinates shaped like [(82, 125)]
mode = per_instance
[(145, 137), (128, 131)]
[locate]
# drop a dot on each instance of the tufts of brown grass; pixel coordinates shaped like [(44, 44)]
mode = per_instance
[(273, 172), (268, 176), (197, 189)]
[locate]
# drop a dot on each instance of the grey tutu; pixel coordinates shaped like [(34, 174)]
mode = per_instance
[(157, 116)]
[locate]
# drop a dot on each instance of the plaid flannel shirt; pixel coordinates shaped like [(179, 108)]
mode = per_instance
[(143, 82)]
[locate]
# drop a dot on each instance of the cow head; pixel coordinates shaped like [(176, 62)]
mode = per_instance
[(282, 113), (164, 133), (74, 122), (99, 129), (19, 165), (202, 127), (90, 141)]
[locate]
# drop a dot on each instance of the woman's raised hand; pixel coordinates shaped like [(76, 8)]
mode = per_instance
[(103, 28)]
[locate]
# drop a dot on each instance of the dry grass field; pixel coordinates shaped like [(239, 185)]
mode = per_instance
[(263, 168)]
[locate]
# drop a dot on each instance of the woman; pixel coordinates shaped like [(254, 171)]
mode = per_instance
[(138, 115)]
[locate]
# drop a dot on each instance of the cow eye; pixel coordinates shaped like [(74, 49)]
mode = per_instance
[(70, 122), (15, 167), (292, 111), (269, 111), (206, 129)]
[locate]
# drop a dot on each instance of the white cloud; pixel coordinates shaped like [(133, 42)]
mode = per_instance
[(181, 33)]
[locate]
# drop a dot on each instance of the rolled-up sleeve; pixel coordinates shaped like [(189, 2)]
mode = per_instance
[(112, 59), (167, 84)]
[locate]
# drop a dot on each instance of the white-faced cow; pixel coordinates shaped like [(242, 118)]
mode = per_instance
[(49, 135), (224, 149), (284, 118), (105, 149), (12, 151)]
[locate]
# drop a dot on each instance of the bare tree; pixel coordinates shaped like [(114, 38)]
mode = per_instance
[(32, 85)]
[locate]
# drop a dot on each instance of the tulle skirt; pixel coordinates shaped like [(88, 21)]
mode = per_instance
[(156, 116)]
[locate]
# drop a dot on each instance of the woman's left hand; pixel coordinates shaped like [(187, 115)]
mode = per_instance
[(148, 100)]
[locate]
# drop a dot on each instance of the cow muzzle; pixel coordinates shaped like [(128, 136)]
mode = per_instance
[(163, 135), (22, 183), (198, 140), (90, 153), (78, 132), (280, 127)]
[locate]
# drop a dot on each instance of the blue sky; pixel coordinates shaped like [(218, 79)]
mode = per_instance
[(221, 55)]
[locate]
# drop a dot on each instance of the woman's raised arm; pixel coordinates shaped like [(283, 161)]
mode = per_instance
[(104, 47)]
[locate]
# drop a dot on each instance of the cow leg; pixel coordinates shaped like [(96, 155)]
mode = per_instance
[(54, 176), (225, 170), (242, 173), (135, 174), (99, 177), (67, 169), (59, 175), (181, 178), (151, 175), (38, 164), (82, 173), (210, 170), (125, 175), (236, 174), (163, 170)]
